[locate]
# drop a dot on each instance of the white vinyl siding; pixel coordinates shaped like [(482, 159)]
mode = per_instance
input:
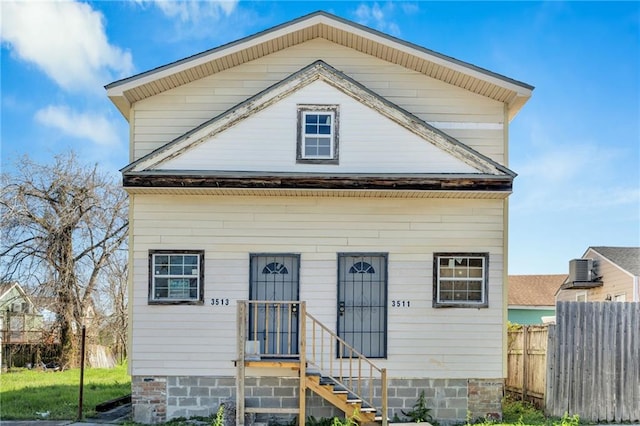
[(200, 340), (369, 142), (162, 118)]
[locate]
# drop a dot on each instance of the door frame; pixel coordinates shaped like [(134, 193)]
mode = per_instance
[(385, 293), (296, 256)]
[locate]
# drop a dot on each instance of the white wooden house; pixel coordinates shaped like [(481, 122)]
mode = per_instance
[(319, 209)]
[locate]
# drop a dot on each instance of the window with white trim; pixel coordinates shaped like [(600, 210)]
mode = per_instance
[(317, 134), (176, 277), (460, 280)]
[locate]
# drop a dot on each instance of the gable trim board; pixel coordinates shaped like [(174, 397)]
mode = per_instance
[(491, 175), (513, 93)]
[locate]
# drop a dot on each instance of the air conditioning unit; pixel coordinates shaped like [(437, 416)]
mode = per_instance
[(581, 270)]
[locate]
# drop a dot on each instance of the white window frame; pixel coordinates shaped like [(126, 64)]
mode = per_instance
[(621, 297), (460, 273), (581, 296), (180, 295), (301, 152)]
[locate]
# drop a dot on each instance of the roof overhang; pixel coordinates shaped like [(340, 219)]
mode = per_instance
[(532, 307), (513, 93), (460, 186), (581, 285)]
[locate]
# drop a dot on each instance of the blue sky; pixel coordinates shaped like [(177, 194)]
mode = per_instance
[(575, 144)]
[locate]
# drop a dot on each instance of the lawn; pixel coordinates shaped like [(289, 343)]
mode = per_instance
[(25, 393)]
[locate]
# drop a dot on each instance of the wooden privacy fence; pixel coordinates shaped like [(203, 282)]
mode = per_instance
[(593, 365), (527, 363)]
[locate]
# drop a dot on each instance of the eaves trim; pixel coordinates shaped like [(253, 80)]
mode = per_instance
[(320, 17)]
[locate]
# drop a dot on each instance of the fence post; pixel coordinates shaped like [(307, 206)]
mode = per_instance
[(525, 361), (549, 392)]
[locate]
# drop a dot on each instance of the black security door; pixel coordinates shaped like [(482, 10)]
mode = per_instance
[(362, 302), (274, 277)]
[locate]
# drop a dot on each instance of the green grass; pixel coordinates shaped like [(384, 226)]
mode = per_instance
[(518, 413), (24, 393)]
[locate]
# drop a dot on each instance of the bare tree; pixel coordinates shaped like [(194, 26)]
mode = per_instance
[(60, 224), (113, 306)]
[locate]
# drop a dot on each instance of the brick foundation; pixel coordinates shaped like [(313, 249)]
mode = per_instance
[(485, 398), (149, 399)]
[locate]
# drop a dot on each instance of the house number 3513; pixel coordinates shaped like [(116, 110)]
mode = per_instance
[(219, 302)]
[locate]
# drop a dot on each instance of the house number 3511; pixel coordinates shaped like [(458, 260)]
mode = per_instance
[(400, 303), (219, 302)]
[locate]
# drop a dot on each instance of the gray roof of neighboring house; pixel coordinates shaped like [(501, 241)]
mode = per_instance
[(627, 258)]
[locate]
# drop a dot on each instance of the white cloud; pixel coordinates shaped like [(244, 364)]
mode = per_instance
[(193, 10), (378, 17), (65, 39), (93, 127)]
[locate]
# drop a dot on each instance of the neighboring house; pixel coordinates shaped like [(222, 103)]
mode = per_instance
[(20, 321), (603, 274), (532, 298), (317, 207)]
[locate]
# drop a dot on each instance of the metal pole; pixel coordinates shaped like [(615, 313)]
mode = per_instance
[(81, 395), (9, 361)]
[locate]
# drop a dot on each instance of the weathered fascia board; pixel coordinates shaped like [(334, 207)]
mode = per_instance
[(328, 182), (319, 70)]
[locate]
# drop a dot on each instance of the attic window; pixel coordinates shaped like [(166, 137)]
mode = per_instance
[(460, 280), (318, 134)]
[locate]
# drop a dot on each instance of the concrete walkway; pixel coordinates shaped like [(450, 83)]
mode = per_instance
[(116, 416)]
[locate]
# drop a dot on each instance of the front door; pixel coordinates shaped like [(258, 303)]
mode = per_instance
[(362, 302), (274, 277)]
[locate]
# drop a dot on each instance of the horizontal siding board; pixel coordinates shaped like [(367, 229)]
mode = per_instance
[(229, 228)]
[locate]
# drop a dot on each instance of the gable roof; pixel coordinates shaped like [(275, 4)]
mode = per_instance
[(626, 258), (534, 290), (6, 288), (127, 91), (147, 171), (319, 70)]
